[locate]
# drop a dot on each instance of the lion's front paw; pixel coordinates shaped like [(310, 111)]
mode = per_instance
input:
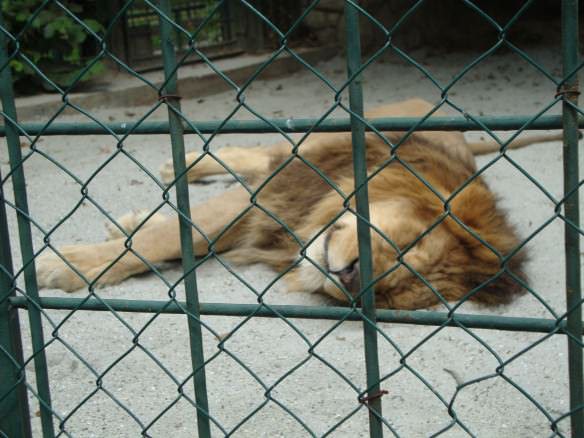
[(167, 172), (89, 262), (54, 273)]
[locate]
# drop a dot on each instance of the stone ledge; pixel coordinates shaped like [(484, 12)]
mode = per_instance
[(195, 80)]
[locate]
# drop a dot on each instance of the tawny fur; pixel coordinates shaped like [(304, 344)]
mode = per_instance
[(449, 257)]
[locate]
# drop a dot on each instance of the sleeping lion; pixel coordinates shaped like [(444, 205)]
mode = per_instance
[(411, 272)]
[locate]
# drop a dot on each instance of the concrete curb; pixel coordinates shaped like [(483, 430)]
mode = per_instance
[(196, 80)]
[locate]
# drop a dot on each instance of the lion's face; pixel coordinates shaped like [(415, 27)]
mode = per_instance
[(408, 260), (394, 226)]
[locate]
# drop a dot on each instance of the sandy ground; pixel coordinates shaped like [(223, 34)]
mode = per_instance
[(114, 346)]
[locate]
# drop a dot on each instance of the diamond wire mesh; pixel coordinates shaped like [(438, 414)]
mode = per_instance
[(179, 122)]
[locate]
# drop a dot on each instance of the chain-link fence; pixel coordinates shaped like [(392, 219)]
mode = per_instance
[(197, 403)]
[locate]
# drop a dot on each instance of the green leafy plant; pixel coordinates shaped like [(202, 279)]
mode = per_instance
[(54, 41)]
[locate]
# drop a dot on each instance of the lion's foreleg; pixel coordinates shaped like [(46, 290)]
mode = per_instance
[(112, 261)]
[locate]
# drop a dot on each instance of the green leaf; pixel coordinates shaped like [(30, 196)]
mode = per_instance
[(94, 25), (17, 66), (66, 79), (49, 30), (74, 56), (55, 42), (22, 16)]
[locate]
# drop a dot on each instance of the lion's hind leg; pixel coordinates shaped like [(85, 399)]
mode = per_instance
[(243, 161)]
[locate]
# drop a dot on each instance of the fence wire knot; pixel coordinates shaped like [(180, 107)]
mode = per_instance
[(367, 399), (568, 91), (165, 97)]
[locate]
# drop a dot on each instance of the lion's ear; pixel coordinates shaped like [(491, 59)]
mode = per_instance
[(475, 207)]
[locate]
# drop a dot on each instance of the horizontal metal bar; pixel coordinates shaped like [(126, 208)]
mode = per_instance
[(499, 123), (508, 323)]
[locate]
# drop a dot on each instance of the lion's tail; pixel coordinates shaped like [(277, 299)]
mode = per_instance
[(487, 147)]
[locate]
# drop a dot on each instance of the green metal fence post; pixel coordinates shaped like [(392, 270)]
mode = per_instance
[(427, 318), (438, 123), (572, 238), (14, 411), (186, 236), (25, 238), (363, 230)]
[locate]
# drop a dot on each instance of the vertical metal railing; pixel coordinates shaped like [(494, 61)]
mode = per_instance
[(14, 410), (569, 88), (25, 238), (169, 93), (363, 229)]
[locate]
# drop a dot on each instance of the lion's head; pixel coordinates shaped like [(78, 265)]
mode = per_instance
[(423, 251)]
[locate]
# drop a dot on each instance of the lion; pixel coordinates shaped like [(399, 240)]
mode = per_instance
[(437, 233)]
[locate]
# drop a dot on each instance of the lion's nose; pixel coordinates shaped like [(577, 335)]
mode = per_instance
[(349, 277)]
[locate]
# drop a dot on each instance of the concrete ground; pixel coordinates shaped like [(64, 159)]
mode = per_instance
[(142, 359)]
